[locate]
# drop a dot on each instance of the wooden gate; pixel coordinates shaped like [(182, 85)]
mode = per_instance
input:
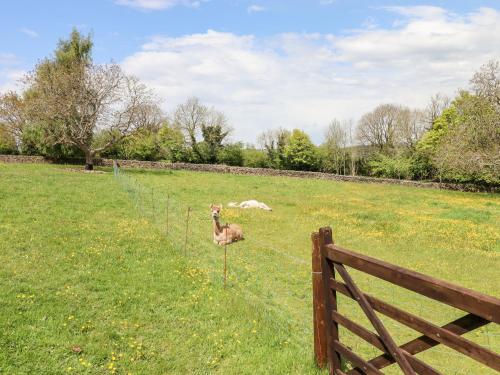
[(328, 260)]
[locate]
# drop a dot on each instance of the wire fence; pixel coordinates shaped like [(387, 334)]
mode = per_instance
[(256, 275), (189, 231)]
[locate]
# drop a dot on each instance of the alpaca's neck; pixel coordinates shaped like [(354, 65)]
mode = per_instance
[(217, 227)]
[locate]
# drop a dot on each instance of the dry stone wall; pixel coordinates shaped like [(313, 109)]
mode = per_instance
[(22, 159), (140, 164)]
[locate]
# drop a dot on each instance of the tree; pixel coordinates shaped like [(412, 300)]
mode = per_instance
[(20, 115), (77, 48), (7, 141), (464, 143), (189, 117), (214, 131), (300, 152), (274, 143), (13, 115), (486, 82), (474, 141), (79, 100), (437, 104), (410, 128), (378, 127), (335, 147), (390, 128), (353, 150), (69, 100), (195, 120), (173, 147)]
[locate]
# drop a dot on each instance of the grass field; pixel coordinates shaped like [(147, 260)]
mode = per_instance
[(92, 284)]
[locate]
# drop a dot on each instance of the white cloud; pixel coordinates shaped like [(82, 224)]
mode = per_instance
[(9, 79), (304, 80), (254, 8), (421, 11), (10, 73), (8, 59), (31, 33), (158, 4)]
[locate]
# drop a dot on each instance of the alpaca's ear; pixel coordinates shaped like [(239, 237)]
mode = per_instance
[(211, 205), (220, 205)]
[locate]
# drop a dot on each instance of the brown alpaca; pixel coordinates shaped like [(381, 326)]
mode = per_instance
[(224, 234)]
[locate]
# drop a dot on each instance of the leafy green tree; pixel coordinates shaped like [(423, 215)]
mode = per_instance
[(77, 48), (214, 133), (77, 100), (173, 147), (431, 139), (464, 142), (300, 152), (19, 111)]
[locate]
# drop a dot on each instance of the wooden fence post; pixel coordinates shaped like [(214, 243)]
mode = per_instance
[(320, 345), (187, 228), (225, 259), (153, 203), (168, 201), (330, 299)]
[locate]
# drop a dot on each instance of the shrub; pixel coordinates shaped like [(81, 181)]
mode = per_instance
[(231, 154), (255, 158), (34, 141), (7, 142), (396, 167), (143, 145)]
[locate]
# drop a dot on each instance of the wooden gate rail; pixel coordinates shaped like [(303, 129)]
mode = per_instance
[(329, 259)]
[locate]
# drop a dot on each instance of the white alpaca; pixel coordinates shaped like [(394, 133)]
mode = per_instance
[(250, 204)]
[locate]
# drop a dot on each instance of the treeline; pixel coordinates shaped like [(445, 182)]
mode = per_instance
[(73, 108)]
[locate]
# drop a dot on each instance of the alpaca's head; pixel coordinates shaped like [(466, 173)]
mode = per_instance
[(215, 210)]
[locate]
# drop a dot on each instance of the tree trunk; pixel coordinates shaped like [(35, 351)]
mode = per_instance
[(89, 161)]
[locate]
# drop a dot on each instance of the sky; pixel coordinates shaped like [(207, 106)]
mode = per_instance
[(268, 64)]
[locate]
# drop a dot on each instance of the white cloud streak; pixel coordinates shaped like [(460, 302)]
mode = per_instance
[(8, 59), (31, 33), (254, 8), (158, 4)]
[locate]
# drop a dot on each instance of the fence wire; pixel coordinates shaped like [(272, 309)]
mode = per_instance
[(292, 302), (169, 215)]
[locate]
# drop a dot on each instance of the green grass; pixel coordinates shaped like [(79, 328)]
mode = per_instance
[(85, 262)]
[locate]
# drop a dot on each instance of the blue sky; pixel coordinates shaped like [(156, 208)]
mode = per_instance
[(260, 61)]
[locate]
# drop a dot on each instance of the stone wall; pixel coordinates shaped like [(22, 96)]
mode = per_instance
[(22, 159), (139, 164)]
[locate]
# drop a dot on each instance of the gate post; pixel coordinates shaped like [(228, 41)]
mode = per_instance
[(320, 347), (330, 300)]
